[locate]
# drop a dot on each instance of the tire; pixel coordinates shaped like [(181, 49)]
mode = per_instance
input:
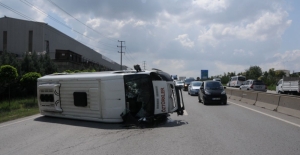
[(204, 103)]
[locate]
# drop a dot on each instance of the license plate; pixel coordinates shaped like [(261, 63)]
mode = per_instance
[(215, 98)]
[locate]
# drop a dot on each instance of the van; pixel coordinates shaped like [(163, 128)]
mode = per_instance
[(236, 81)]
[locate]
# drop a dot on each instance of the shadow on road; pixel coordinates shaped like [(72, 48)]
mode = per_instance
[(100, 125)]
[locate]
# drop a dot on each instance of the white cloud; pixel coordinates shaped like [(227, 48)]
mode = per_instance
[(222, 67), (287, 60), (140, 23), (185, 40), (94, 23), (230, 35), (211, 5), (268, 26), (242, 52), (288, 55)]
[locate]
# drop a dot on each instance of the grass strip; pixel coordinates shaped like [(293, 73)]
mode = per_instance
[(18, 108)]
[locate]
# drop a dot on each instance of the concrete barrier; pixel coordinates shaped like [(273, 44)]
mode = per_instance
[(268, 101), (289, 105), (249, 97), (236, 94), (228, 92)]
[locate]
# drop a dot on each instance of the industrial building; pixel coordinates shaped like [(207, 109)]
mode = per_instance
[(20, 36)]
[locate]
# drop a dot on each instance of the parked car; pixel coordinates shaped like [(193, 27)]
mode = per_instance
[(212, 92), (194, 87), (179, 83), (256, 85), (187, 83)]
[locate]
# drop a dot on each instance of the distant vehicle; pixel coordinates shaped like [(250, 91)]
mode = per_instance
[(288, 85), (174, 77), (212, 92), (113, 96), (194, 87), (181, 78), (187, 83), (236, 81), (179, 83), (256, 85), (217, 79)]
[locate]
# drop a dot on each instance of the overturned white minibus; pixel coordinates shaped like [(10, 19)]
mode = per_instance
[(109, 96)]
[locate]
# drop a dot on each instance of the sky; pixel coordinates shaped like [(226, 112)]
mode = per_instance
[(180, 37)]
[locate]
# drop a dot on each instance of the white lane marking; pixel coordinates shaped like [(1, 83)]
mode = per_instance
[(185, 113), (1, 126), (297, 125)]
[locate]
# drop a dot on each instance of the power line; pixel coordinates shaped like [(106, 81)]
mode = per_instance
[(128, 53), (54, 19), (17, 12), (30, 19), (79, 20)]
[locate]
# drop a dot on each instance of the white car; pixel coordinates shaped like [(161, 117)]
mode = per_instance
[(179, 83), (217, 79)]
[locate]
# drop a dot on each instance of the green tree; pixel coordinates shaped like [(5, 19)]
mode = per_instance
[(29, 81), (279, 74), (4, 58), (271, 76), (27, 64), (9, 59), (254, 72), (36, 63), (49, 66), (8, 75)]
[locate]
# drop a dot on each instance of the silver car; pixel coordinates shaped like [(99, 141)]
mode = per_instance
[(256, 85), (194, 87)]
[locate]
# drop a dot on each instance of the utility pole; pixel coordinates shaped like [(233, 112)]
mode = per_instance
[(121, 51), (144, 65)]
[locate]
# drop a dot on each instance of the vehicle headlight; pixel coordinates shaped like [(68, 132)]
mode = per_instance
[(206, 92), (223, 92)]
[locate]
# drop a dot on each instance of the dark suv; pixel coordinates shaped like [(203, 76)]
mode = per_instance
[(212, 92), (186, 83)]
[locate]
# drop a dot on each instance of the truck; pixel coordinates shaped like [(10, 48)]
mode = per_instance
[(181, 78), (109, 96), (288, 85)]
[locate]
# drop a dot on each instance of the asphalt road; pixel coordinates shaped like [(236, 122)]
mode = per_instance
[(209, 130)]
